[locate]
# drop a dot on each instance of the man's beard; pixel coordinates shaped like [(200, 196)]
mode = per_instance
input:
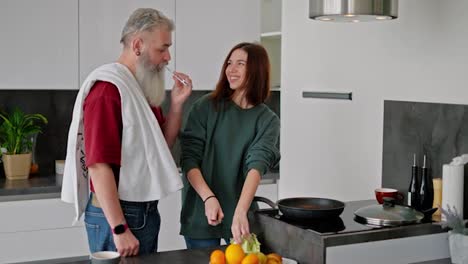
[(151, 80)]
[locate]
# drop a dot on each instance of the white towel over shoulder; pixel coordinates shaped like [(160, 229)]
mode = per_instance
[(148, 171)]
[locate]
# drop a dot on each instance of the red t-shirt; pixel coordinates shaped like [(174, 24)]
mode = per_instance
[(103, 126)]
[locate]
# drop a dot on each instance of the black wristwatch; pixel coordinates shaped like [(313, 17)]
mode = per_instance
[(120, 229)]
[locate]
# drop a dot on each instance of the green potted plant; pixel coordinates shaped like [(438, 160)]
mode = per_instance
[(458, 235), (16, 132)]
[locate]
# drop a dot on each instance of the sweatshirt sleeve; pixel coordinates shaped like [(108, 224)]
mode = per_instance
[(193, 138), (263, 153)]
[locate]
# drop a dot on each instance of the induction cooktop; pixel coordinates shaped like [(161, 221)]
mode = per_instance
[(345, 223)]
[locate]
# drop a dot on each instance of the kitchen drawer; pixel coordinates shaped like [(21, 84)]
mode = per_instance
[(43, 244), (35, 215), (392, 251)]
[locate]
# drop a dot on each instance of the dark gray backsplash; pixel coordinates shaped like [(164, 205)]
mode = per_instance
[(439, 131), (57, 106)]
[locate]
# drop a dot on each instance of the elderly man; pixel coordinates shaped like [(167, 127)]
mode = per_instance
[(120, 138)]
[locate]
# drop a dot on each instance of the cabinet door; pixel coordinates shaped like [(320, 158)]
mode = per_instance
[(101, 24), (40, 229), (205, 32), (415, 249), (169, 208), (43, 245), (39, 48)]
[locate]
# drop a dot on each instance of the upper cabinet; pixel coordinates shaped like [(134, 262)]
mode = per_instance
[(39, 48), (55, 44), (206, 30), (101, 24), (271, 37)]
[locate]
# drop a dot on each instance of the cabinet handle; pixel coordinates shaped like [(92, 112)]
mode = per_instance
[(328, 95)]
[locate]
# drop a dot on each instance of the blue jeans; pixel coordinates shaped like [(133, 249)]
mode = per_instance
[(142, 218), (203, 243)]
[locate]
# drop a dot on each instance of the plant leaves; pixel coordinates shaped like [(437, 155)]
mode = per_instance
[(17, 129)]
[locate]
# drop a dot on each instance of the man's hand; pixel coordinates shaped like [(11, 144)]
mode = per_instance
[(180, 92), (127, 244), (179, 95)]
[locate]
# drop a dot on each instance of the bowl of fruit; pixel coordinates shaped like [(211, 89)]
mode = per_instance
[(248, 252)]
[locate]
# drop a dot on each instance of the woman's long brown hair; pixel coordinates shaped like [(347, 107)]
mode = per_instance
[(257, 76)]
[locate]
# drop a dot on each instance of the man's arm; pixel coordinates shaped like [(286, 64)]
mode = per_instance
[(105, 189), (172, 126), (179, 95)]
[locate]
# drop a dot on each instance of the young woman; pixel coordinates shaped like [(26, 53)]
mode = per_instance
[(229, 142)]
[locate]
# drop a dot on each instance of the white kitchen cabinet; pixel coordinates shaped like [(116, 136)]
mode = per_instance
[(38, 230), (392, 251), (205, 32), (270, 37), (169, 209), (39, 48), (269, 191), (101, 24)]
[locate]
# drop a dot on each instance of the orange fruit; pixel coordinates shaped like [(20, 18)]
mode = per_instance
[(272, 261), (217, 257), (275, 257), (234, 254), (251, 259), (262, 259)]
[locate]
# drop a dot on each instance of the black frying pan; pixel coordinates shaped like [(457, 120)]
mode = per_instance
[(306, 208)]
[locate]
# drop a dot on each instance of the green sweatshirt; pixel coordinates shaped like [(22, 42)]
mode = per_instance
[(224, 144)]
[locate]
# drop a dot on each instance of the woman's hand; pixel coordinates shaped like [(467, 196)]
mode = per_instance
[(214, 213), (240, 226)]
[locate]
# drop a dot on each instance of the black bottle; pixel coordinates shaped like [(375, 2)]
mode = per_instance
[(413, 190), (426, 191)]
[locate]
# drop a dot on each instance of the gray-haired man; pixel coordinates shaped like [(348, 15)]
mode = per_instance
[(120, 137)]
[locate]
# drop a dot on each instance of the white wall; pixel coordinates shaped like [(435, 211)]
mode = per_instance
[(333, 148)]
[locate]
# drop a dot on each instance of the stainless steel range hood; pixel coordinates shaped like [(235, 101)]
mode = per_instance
[(353, 10)]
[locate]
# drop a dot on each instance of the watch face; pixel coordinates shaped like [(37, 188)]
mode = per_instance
[(119, 229)]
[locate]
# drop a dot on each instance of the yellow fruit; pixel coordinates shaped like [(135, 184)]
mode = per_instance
[(250, 259), (234, 254), (217, 257), (275, 257), (262, 259)]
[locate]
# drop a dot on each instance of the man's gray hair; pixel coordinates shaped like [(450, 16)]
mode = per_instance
[(144, 19)]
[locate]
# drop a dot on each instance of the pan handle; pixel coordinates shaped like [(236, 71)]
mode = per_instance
[(265, 200)]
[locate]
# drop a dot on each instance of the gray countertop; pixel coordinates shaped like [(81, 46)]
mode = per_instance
[(194, 256), (435, 261), (49, 186), (36, 187), (308, 244)]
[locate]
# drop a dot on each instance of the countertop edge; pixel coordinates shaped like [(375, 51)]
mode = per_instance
[(46, 187)]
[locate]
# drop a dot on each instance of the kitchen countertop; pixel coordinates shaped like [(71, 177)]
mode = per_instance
[(49, 186), (334, 232), (194, 256), (435, 261), (36, 187), (174, 257)]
